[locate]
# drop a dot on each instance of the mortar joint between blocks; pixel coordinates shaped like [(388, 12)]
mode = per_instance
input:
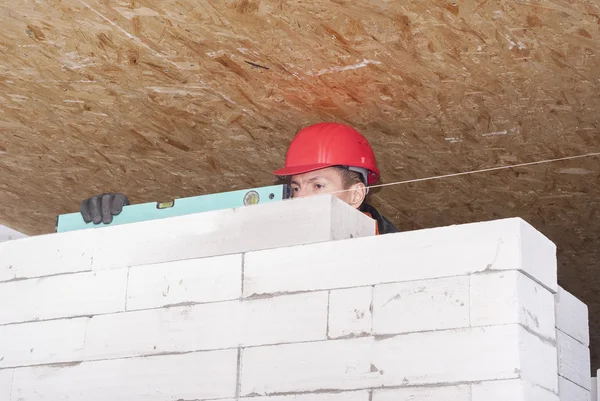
[(85, 333), (571, 337), (572, 382), (372, 308), (469, 299), (243, 272), (328, 307), (238, 378), (12, 384), (127, 288)]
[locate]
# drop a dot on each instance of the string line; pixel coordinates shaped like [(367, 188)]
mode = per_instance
[(484, 170)]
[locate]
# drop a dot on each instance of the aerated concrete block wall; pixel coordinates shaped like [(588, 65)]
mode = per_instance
[(255, 304)]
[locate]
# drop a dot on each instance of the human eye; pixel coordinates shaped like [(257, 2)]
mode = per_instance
[(319, 186)]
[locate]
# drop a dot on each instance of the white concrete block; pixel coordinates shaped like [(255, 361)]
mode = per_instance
[(304, 367), (573, 360), (6, 376), (42, 342), (437, 357), (185, 281), (300, 317), (572, 316), (593, 390), (569, 391), (538, 364), (9, 234), (202, 375), (45, 255), (537, 256), (512, 297), (486, 353), (443, 393), (510, 390), (264, 226), (416, 255), (350, 312), (421, 305), (78, 294)]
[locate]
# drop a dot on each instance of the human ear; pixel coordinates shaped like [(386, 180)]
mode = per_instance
[(357, 194)]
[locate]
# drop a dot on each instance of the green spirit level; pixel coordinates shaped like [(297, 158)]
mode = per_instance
[(180, 207)]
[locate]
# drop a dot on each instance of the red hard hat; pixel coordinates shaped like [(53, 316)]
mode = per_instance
[(329, 144)]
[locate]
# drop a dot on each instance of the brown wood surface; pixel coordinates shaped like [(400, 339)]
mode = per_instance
[(164, 99)]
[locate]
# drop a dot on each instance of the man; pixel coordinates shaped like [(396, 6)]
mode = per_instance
[(322, 158)]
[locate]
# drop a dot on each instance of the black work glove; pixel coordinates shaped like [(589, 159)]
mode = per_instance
[(102, 208)]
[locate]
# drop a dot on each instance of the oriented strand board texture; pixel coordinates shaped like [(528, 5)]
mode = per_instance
[(164, 99)]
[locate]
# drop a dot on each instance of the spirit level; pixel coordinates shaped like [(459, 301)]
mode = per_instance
[(180, 207)]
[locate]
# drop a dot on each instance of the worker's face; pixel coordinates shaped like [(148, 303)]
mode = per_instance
[(325, 181)]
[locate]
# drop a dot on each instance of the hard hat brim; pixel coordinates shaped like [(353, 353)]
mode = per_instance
[(295, 170)]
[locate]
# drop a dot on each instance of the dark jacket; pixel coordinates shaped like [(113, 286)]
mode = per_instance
[(384, 226)]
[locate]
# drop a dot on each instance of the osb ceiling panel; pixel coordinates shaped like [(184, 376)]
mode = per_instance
[(164, 99)]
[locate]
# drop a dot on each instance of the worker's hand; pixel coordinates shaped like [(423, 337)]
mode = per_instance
[(102, 208)]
